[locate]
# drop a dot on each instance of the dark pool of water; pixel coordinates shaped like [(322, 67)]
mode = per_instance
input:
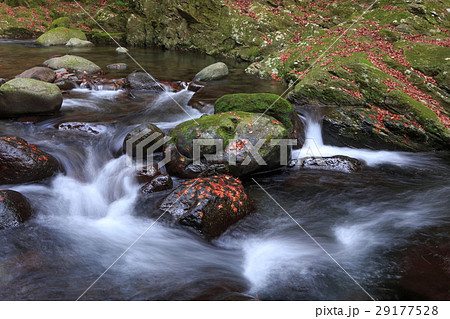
[(370, 222)]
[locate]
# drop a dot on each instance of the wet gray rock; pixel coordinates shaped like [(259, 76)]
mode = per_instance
[(338, 163), (212, 72), (154, 179), (157, 184), (14, 209), (78, 43)]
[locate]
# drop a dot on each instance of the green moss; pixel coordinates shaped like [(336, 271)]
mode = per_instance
[(389, 35), (31, 86), (270, 104), (104, 38), (60, 22), (404, 104), (430, 59)]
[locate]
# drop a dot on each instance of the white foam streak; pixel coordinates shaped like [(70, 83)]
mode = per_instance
[(314, 147)]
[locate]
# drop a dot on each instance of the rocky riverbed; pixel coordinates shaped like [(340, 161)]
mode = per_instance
[(365, 170)]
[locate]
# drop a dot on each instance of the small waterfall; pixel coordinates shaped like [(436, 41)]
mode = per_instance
[(173, 106), (314, 147)]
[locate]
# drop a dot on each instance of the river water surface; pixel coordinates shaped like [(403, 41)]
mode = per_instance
[(85, 218)]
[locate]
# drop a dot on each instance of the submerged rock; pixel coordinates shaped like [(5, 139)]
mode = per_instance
[(117, 66), (14, 208), (29, 96), (267, 103), (426, 271), (38, 73), (72, 63), (22, 162), (237, 131), (75, 42), (338, 163), (60, 36), (209, 205), (212, 72), (88, 128)]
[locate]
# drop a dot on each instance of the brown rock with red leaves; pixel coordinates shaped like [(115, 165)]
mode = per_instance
[(210, 205), (21, 162)]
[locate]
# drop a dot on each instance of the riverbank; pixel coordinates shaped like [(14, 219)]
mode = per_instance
[(392, 61)]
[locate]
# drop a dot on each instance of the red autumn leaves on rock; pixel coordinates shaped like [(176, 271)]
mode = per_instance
[(224, 186)]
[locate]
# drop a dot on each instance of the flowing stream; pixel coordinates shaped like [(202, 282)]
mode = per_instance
[(87, 216)]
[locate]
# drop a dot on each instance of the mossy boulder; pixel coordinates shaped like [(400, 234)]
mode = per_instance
[(28, 96), (72, 63), (14, 209), (264, 103), (379, 129), (63, 22), (239, 133), (208, 205), (60, 36)]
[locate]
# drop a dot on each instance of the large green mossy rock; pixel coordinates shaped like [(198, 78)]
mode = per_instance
[(28, 96), (264, 103), (270, 104), (237, 131), (60, 36), (72, 63)]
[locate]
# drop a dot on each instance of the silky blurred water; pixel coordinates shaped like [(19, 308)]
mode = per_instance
[(85, 217)]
